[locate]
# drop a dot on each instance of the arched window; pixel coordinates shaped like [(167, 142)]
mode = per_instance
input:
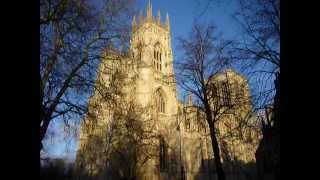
[(163, 154), (160, 62), (226, 94), (139, 49), (241, 90), (157, 67), (214, 91), (157, 57), (187, 123), (179, 118), (160, 102), (186, 119)]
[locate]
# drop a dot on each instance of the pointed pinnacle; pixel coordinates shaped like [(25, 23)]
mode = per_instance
[(149, 11), (167, 22), (159, 17)]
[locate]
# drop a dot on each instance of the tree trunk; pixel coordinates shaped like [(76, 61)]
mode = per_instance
[(268, 152), (216, 153), (43, 130), (276, 128), (47, 115), (214, 141)]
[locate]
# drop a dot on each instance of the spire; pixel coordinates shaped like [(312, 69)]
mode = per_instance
[(167, 22), (159, 18), (149, 11), (134, 23)]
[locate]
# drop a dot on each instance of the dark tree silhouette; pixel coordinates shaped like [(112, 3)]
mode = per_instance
[(117, 146), (259, 53), (204, 56), (73, 34)]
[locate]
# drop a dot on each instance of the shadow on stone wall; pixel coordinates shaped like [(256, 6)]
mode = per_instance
[(56, 169), (234, 170)]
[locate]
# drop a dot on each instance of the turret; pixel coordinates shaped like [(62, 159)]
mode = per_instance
[(167, 25), (140, 17), (159, 18), (149, 12), (134, 23)]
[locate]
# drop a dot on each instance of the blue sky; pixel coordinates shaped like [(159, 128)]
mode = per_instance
[(182, 14)]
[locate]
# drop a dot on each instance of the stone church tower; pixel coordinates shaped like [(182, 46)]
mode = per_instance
[(177, 146), (151, 44), (150, 83), (155, 85)]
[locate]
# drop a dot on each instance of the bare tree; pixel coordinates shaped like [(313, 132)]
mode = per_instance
[(257, 49), (258, 52), (118, 149), (120, 136), (204, 57), (73, 35), (133, 143)]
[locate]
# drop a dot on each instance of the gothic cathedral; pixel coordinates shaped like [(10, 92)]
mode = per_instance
[(137, 128)]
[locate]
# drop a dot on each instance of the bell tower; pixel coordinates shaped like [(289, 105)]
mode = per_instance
[(151, 41), (150, 47)]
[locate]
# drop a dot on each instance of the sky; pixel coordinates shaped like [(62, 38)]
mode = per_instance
[(182, 14)]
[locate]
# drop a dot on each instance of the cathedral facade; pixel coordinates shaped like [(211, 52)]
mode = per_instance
[(166, 138)]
